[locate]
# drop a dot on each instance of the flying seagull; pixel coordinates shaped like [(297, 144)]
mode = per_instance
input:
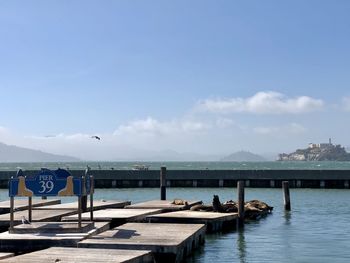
[(25, 221), (96, 137)]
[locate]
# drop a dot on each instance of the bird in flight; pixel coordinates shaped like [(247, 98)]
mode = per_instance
[(96, 137)]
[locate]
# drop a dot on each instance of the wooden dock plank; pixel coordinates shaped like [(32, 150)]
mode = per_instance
[(4, 255), (172, 241), (116, 216), (33, 241), (98, 205), (37, 216), (22, 204), (165, 205), (214, 221), (60, 254)]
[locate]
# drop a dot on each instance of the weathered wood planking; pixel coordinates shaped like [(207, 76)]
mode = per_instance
[(168, 242), (37, 216), (98, 205), (165, 205), (213, 221), (4, 255), (60, 254), (31, 242), (22, 204), (117, 217), (53, 227)]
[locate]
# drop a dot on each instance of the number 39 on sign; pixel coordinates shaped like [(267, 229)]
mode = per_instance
[(46, 184)]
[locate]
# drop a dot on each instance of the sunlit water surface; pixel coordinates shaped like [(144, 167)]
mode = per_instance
[(316, 230)]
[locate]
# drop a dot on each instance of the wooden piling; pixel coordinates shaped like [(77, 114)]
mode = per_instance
[(30, 205), (84, 197), (92, 186), (79, 211), (163, 183), (12, 206), (286, 196), (240, 189)]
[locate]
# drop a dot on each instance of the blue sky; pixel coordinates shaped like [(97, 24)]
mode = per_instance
[(210, 77)]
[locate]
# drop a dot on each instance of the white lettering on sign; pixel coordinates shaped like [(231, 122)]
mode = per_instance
[(46, 184), (45, 178)]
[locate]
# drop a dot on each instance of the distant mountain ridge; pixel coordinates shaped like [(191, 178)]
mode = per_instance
[(11, 153), (243, 156)]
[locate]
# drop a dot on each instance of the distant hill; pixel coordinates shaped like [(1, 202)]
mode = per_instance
[(10, 153), (243, 156)]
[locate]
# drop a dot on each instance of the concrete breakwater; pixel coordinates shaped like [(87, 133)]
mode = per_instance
[(211, 178)]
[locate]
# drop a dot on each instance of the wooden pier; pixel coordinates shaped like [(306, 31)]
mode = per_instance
[(53, 227), (34, 241), (60, 254), (214, 221), (37, 216), (116, 217), (165, 205), (4, 255), (98, 205), (22, 204), (168, 242)]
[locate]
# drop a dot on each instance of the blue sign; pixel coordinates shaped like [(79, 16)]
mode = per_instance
[(49, 183)]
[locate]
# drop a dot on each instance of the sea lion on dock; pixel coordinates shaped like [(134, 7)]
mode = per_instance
[(255, 209), (202, 207), (179, 202), (217, 207)]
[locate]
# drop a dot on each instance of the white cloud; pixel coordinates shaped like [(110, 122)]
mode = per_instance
[(224, 123), (150, 126), (292, 128), (262, 103), (346, 103)]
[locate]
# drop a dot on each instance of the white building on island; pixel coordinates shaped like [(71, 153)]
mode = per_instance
[(321, 145)]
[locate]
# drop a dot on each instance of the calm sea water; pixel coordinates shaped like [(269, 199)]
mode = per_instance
[(316, 230)]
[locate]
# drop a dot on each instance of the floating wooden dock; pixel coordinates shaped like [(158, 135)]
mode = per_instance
[(214, 221), (34, 241), (98, 205), (116, 217), (37, 216), (4, 255), (59, 254), (168, 242), (22, 204), (53, 227), (165, 205)]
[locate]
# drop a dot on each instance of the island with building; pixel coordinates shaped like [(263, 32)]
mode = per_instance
[(317, 152)]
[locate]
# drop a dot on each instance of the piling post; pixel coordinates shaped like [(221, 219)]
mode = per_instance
[(286, 195), (92, 187), (84, 196), (12, 204), (30, 205), (79, 212), (163, 183), (240, 189)]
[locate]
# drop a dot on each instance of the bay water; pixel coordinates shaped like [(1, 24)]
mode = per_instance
[(317, 229)]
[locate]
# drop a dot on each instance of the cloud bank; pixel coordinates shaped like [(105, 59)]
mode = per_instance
[(346, 103), (269, 102), (197, 131)]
